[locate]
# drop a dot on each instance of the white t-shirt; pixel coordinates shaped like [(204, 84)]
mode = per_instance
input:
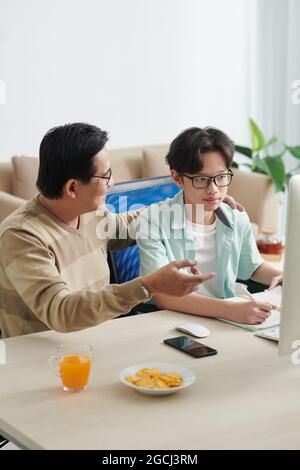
[(206, 254)]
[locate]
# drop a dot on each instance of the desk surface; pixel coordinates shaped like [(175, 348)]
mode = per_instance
[(244, 397)]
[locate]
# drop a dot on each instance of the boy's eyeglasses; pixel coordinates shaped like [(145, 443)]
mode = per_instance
[(201, 182)]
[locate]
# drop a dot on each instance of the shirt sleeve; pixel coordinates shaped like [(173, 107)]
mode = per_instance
[(31, 269), (122, 230), (250, 258)]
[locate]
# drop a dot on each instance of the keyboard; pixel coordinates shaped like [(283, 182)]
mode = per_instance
[(269, 333)]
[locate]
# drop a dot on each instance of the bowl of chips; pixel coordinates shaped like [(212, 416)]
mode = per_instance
[(157, 378)]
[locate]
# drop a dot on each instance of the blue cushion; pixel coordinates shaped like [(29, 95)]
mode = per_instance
[(135, 194)]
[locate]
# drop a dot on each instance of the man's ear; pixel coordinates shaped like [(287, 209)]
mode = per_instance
[(177, 178), (70, 188)]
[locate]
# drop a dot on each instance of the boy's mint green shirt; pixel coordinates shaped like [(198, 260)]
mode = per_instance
[(160, 243)]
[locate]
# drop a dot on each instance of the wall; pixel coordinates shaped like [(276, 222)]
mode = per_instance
[(142, 69)]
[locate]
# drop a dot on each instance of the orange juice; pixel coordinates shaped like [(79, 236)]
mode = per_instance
[(75, 371)]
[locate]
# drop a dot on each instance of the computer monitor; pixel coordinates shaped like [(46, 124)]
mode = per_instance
[(131, 195), (290, 317)]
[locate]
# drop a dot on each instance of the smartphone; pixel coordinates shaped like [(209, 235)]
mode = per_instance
[(189, 346)]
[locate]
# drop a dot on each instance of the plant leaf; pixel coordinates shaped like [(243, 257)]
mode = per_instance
[(295, 151), (272, 141), (259, 165), (244, 150), (257, 138), (276, 170), (234, 165)]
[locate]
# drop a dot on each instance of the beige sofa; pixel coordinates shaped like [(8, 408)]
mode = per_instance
[(254, 191)]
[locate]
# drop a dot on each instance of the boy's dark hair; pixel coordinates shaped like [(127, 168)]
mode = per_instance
[(185, 151), (68, 152)]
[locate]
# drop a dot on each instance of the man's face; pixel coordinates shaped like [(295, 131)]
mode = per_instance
[(90, 196)]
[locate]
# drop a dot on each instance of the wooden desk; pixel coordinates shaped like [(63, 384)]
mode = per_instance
[(244, 397)]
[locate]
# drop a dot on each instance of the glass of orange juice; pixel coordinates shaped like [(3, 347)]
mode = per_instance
[(73, 365)]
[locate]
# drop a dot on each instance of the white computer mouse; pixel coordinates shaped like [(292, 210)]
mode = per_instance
[(194, 329)]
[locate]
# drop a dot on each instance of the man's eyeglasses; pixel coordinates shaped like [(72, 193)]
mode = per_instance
[(201, 182), (106, 178)]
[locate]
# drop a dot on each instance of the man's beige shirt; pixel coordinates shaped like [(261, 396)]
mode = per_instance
[(53, 276)]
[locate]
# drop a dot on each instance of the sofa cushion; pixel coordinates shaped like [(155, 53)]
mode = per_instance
[(256, 193), (25, 172), (154, 162), (6, 177), (8, 204)]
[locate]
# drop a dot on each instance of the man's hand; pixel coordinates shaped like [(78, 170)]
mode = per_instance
[(170, 280), (233, 203), (276, 281)]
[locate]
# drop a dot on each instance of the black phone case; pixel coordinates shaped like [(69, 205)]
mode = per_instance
[(210, 352)]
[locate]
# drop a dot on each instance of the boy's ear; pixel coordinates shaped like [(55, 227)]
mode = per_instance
[(177, 178)]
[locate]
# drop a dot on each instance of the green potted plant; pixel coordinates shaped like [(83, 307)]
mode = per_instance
[(261, 160)]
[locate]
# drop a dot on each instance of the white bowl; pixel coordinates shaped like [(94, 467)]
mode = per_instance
[(187, 376)]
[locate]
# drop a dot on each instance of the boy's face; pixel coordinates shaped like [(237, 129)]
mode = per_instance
[(212, 196)]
